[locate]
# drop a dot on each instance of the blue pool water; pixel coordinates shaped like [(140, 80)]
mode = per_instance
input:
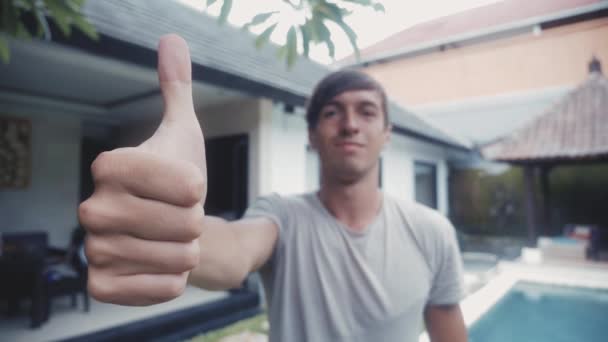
[(539, 313)]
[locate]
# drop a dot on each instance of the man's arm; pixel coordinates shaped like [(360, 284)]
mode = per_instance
[(229, 251), (444, 323)]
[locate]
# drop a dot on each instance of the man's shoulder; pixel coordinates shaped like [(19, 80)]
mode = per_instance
[(301, 198), (423, 220), (283, 203)]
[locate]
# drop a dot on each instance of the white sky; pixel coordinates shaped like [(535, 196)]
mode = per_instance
[(369, 25)]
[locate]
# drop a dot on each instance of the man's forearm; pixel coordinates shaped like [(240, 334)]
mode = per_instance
[(444, 323), (223, 265)]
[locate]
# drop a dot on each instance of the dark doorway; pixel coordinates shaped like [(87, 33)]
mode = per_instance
[(227, 174), (90, 149)]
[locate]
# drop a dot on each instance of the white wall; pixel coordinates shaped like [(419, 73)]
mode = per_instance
[(50, 202), (398, 168), (288, 154)]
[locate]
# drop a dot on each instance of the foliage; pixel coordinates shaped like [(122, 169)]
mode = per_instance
[(64, 13), (578, 195), (488, 204), (257, 324), (67, 14), (314, 30), (494, 204)]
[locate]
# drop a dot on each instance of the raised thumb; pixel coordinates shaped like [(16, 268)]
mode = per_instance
[(179, 134), (175, 78)]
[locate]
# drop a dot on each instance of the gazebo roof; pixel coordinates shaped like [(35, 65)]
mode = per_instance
[(574, 129)]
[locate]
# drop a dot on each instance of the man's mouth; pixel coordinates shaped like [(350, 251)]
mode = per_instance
[(349, 145)]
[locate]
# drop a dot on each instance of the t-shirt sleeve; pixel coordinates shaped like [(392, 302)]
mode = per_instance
[(269, 207), (448, 280)]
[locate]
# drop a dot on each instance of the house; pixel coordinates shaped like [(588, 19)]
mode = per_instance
[(484, 72), (76, 97)]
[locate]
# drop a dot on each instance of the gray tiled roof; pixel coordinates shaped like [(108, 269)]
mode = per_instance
[(228, 50), (221, 47)]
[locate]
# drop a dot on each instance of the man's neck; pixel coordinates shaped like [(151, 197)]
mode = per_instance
[(355, 204)]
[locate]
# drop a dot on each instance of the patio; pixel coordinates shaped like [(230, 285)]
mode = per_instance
[(72, 323)]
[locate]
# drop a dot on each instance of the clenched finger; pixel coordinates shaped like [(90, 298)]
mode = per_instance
[(122, 213), (126, 255), (135, 290), (151, 176)]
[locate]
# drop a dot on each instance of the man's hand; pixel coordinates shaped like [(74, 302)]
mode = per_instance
[(145, 216)]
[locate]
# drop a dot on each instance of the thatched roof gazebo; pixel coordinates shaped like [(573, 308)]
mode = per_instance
[(573, 131)]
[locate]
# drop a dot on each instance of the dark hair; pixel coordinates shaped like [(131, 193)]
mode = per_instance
[(335, 84)]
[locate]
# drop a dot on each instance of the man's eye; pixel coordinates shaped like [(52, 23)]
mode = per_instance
[(329, 113)]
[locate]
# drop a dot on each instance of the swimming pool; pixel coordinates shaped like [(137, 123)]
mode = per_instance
[(540, 312)]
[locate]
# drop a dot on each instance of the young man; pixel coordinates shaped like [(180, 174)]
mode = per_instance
[(346, 263)]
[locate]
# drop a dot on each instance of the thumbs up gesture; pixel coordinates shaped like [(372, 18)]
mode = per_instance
[(145, 216)]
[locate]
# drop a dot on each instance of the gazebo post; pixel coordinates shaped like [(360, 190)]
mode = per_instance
[(530, 203), (545, 211)]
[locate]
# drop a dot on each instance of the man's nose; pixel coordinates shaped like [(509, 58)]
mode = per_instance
[(350, 123)]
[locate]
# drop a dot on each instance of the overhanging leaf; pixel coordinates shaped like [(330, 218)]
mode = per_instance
[(292, 46), (43, 25), (22, 32), (325, 36), (282, 52), (5, 53), (9, 17), (86, 27), (264, 36), (259, 19), (360, 2), (305, 30), (225, 11), (352, 36), (378, 7)]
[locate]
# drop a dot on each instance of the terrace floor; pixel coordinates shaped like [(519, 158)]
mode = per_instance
[(66, 322)]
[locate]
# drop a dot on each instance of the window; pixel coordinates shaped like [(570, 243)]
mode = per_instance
[(425, 183)]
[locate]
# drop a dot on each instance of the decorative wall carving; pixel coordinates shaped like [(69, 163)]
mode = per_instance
[(15, 152)]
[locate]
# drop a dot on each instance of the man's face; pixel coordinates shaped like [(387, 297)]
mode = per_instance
[(350, 134)]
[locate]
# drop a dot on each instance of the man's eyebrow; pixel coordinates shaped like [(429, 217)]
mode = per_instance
[(359, 104), (333, 103), (368, 103)]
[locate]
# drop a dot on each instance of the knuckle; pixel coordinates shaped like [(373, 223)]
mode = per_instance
[(100, 168), (92, 217), (193, 225), (191, 255), (175, 287), (96, 252), (193, 185), (87, 214), (98, 286), (84, 212)]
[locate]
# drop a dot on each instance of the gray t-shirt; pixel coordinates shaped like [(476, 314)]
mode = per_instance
[(326, 282)]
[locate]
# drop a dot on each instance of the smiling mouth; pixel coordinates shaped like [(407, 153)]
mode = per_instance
[(349, 146)]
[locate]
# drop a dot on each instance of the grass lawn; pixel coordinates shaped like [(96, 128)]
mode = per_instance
[(256, 324)]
